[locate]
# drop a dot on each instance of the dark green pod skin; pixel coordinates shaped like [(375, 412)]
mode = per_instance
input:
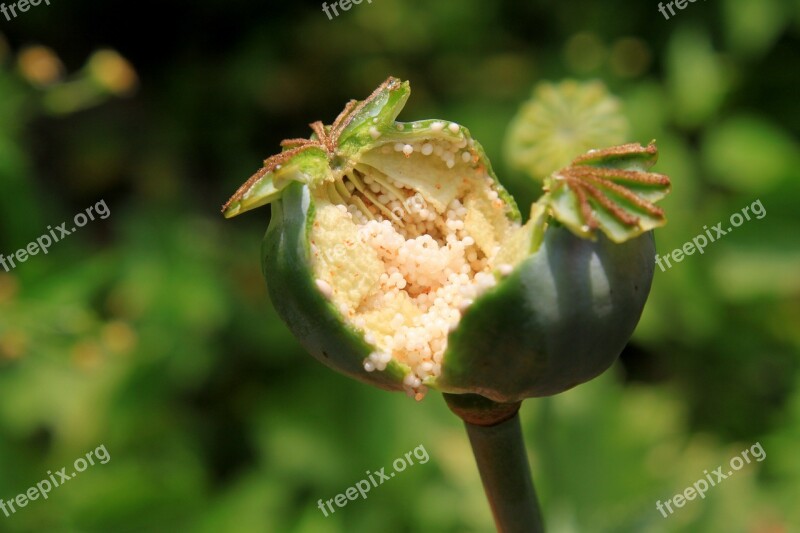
[(319, 326), (561, 318)]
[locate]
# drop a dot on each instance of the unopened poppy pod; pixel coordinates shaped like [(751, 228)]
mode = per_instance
[(397, 258)]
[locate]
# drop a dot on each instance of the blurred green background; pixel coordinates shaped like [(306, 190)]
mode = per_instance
[(151, 332)]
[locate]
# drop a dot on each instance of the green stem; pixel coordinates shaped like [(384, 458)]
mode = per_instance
[(496, 437)]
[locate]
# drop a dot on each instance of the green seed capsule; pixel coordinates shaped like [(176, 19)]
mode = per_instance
[(397, 258)]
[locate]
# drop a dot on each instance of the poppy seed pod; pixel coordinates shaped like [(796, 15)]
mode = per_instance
[(397, 258)]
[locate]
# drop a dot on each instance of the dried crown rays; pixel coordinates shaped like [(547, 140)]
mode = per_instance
[(398, 259), (620, 202)]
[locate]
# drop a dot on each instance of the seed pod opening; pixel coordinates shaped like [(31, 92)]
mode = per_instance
[(407, 238), (385, 235)]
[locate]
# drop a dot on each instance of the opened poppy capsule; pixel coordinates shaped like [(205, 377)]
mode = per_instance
[(397, 258)]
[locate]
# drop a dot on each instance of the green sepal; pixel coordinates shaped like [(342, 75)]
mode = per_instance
[(308, 166)]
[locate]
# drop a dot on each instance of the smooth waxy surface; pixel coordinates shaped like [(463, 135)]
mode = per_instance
[(560, 319)]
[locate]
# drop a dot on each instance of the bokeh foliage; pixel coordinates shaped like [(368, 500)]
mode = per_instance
[(151, 332)]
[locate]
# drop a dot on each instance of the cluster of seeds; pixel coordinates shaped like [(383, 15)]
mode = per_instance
[(433, 271), (430, 256), (433, 267), (450, 152)]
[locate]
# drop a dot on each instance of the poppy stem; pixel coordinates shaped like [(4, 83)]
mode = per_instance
[(496, 438)]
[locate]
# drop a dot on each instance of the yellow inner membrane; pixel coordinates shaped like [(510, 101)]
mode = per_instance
[(404, 242)]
